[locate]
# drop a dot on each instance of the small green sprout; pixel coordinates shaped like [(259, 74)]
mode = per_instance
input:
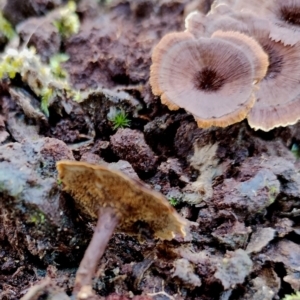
[(55, 65), (37, 218), (292, 297), (119, 118), (77, 96), (10, 64), (47, 95), (173, 201), (59, 181), (68, 22), (6, 28)]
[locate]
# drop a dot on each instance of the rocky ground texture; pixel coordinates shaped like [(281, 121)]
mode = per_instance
[(242, 187)]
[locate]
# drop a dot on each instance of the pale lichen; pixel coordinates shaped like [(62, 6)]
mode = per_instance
[(42, 79)]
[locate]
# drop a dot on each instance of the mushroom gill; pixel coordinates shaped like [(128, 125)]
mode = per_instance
[(285, 20), (210, 78), (161, 51), (251, 47), (278, 96), (284, 16)]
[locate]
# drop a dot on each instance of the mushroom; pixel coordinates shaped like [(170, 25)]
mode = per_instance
[(201, 25), (117, 202), (285, 19), (278, 96), (199, 5), (251, 47), (210, 78), (284, 16), (240, 5)]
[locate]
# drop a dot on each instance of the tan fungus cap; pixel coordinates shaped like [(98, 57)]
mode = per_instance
[(95, 186)]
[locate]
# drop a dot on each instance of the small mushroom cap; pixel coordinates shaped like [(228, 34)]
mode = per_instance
[(278, 98), (195, 23), (284, 16), (95, 186), (210, 78), (220, 8), (278, 102), (199, 5), (285, 20), (241, 5), (251, 47), (201, 25)]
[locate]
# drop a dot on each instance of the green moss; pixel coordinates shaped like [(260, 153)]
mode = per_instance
[(292, 297), (37, 218), (47, 81), (173, 201), (6, 28), (55, 65), (68, 22), (273, 192), (77, 96), (47, 95), (118, 118)]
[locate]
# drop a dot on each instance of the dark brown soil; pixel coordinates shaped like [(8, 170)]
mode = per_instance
[(242, 187)]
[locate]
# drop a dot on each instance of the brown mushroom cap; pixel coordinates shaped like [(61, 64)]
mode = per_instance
[(95, 186), (210, 78), (251, 47)]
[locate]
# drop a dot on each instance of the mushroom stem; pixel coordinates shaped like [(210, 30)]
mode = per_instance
[(106, 224)]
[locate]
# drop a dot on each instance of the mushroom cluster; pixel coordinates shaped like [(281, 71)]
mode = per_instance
[(241, 60)]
